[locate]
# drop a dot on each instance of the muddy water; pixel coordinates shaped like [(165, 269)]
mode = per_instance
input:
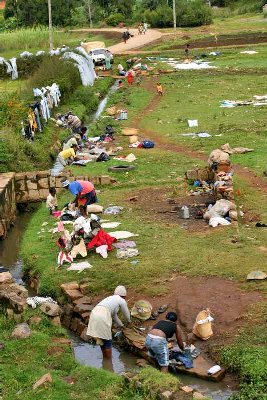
[(9, 248)]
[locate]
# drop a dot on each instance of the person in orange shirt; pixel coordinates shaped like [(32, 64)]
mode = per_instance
[(159, 89)]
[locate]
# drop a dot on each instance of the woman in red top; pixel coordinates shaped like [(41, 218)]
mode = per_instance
[(130, 78)]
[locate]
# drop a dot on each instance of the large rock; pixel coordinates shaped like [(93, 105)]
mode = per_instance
[(69, 286), (21, 331), (73, 294), (55, 321), (51, 309), (83, 300), (82, 308), (5, 277), (47, 378)]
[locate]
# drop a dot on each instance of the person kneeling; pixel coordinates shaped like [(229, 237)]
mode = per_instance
[(156, 340)]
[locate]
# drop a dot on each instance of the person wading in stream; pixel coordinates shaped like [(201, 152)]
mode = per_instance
[(100, 322), (156, 340)]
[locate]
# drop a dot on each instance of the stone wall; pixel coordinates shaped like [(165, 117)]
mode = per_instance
[(7, 202), (34, 186), (27, 187)]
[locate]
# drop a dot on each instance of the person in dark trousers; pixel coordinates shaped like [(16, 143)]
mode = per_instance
[(156, 340), (186, 50)]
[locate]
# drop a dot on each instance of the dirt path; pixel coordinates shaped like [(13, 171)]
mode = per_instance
[(133, 43), (248, 175)]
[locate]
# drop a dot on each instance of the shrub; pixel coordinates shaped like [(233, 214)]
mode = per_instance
[(53, 69), (78, 17), (194, 13), (161, 17), (115, 19)]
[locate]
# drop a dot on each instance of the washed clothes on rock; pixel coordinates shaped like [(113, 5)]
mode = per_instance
[(100, 321)]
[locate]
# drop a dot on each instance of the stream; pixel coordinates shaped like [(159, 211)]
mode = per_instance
[(85, 353)]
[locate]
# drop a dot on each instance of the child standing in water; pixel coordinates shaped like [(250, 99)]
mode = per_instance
[(159, 89), (51, 201)]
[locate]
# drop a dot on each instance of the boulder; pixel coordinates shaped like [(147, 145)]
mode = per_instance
[(73, 294), (21, 331), (69, 286), (84, 287), (83, 300), (82, 308), (51, 309), (197, 395), (167, 394), (47, 378), (5, 277), (56, 321), (186, 389)]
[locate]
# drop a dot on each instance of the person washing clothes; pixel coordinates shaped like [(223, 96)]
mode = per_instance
[(64, 158), (83, 190), (159, 89), (100, 322), (51, 200), (156, 340)]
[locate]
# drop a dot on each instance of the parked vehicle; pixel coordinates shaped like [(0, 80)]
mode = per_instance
[(99, 55)]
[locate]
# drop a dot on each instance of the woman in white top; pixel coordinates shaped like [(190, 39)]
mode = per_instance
[(100, 322)]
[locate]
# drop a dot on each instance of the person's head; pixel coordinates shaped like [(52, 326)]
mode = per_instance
[(52, 191), (187, 45), (83, 210), (171, 316), (74, 147), (158, 83), (83, 130), (65, 183), (120, 291)]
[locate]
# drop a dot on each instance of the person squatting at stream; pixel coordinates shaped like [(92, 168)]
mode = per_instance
[(100, 322), (156, 340), (83, 190), (64, 158)]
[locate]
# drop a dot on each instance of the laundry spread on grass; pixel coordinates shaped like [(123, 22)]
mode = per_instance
[(258, 100)]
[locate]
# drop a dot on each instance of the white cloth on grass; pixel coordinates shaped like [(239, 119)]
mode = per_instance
[(122, 234), (36, 301), (81, 266)]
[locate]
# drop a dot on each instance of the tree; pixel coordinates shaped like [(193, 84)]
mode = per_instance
[(10, 9)]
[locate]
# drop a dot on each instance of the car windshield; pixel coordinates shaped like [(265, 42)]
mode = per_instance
[(99, 51)]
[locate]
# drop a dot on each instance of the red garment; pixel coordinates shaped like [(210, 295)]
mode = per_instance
[(101, 238), (87, 187), (130, 78)]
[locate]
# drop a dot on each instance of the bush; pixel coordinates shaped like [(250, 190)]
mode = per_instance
[(62, 72), (115, 19), (194, 13), (78, 17), (161, 17)]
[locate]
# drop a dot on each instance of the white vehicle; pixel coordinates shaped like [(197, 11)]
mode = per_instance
[(99, 55)]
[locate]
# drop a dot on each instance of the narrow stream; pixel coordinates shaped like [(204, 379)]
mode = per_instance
[(85, 353)]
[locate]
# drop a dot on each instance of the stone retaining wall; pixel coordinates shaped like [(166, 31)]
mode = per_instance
[(7, 202), (27, 187)]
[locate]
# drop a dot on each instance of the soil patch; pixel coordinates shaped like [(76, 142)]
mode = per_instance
[(189, 295), (163, 204)]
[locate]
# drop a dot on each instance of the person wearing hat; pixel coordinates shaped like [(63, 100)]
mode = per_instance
[(102, 315), (156, 340), (84, 191)]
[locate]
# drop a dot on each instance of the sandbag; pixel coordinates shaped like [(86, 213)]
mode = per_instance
[(220, 209), (202, 327), (94, 208), (130, 131)]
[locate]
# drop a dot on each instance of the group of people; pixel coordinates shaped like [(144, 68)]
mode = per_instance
[(142, 28), (106, 312)]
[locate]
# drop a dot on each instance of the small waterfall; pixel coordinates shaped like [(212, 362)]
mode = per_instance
[(85, 65)]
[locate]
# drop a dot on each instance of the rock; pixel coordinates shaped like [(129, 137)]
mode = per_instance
[(140, 362), (9, 313), (51, 309), (85, 316), (21, 331), (66, 321), (186, 389), (197, 395), (256, 275), (67, 309), (80, 327), (35, 320), (82, 308), (83, 300), (73, 294), (5, 277), (84, 336), (56, 321), (47, 378), (69, 286), (84, 288), (167, 394)]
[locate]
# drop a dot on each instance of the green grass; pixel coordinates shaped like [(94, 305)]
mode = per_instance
[(34, 39), (23, 362)]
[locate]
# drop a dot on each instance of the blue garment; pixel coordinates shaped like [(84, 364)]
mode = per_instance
[(184, 357), (75, 188)]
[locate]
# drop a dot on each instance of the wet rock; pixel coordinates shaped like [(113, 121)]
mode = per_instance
[(47, 378), (5, 277), (69, 286), (51, 309), (197, 395), (82, 308), (21, 331), (73, 294), (186, 389), (83, 300), (35, 320), (56, 321)]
